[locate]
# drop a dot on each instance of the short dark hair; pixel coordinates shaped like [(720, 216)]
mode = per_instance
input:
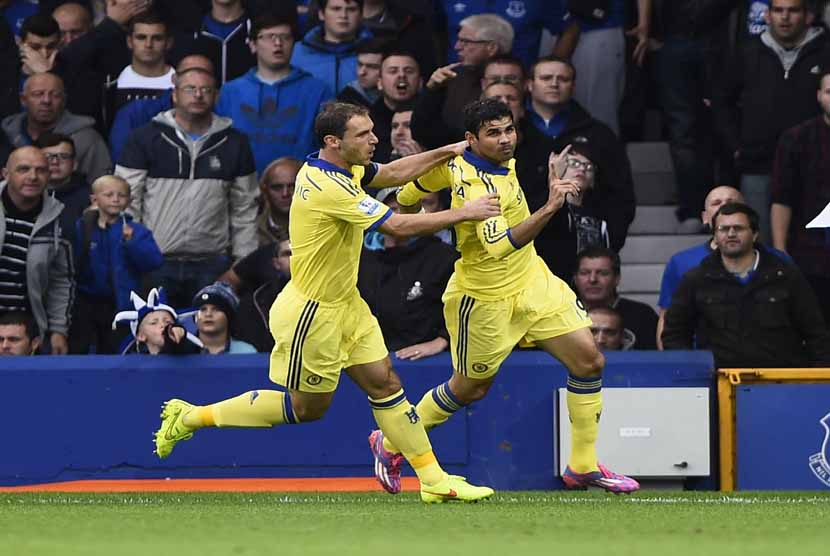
[(334, 117), (479, 112), (20, 318), (270, 19), (545, 59), (373, 46), (42, 25), (505, 60), (52, 139), (609, 311), (597, 252), (738, 208), (324, 3), (147, 18)]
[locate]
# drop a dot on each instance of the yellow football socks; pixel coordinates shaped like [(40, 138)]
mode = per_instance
[(401, 424), (434, 409), (584, 408), (254, 409)]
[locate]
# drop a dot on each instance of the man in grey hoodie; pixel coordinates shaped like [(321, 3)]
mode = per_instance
[(35, 262), (44, 109)]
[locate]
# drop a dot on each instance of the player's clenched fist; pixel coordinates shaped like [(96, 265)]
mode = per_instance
[(483, 207)]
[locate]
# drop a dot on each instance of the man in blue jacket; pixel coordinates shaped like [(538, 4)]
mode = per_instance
[(275, 103), (329, 50)]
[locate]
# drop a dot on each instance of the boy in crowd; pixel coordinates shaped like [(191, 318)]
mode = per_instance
[(217, 306), (113, 252)]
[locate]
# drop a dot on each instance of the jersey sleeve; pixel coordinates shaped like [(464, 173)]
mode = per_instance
[(493, 233), (434, 180), (355, 207)]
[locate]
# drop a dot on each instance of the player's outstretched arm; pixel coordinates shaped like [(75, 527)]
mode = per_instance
[(405, 225), (406, 169)]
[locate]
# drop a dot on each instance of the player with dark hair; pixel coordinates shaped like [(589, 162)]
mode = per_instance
[(320, 323), (502, 292)]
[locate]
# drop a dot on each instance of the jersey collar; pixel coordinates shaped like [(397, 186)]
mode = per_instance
[(483, 164), (314, 160)]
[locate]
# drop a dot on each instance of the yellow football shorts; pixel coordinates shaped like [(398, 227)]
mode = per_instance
[(314, 341), (483, 333)]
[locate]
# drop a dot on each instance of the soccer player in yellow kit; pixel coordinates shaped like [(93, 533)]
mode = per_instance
[(319, 322), (502, 292)]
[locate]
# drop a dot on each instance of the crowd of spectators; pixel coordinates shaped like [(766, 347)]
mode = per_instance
[(154, 144)]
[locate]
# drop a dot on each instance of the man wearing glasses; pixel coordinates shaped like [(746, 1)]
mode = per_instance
[(66, 184), (274, 103), (193, 183), (746, 305)]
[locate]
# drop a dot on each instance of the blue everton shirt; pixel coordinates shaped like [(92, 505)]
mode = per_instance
[(528, 18)]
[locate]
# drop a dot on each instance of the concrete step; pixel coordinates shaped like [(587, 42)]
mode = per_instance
[(647, 298), (653, 173), (641, 278), (652, 220), (656, 249)]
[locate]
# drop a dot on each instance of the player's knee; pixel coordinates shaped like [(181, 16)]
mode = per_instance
[(590, 365), (307, 412), (469, 391)]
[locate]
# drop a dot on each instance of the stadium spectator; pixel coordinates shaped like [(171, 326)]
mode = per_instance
[(156, 327), (401, 137), (217, 306), (608, 328), (746, 305), (188, 154), (438, 115), (681, 86), (553, 121), (599, 57), (408, 25), (399, 82), (18, 334), (776, 75), (365, 89), (44, 109), (15, 13), (528, 18), (112, 252), (148, 75), (276, 189), (509, 93), (141, 111), (223, 37), (9, 72), (579, 224), (65, 184), (275, 103), (800, 190), (403, 280), (328, 51), (74, 21), (502, 69), (39, 41), (254, 306), (683, 261), (596, 279), (36, 262)]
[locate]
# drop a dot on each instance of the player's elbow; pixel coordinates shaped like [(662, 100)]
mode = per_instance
[(396, 226)]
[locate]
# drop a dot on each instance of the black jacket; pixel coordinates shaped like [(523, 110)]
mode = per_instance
[(757, 100), (382, 118), (772, 321), (612, 199), (75, 198), (231, 56), (403, 287), (252, 316), (438, 116)]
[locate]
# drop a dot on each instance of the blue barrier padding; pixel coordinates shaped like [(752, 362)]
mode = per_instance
[(92, 417), (782, 436)]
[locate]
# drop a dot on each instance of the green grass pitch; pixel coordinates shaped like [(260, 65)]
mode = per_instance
[(510, 524)]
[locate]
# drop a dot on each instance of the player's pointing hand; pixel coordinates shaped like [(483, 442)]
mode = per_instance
[(559, 190), (483, 207)]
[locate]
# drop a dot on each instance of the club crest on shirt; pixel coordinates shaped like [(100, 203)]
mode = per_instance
[(368, 206), (820, 462), (516, 9), (215, 163), (415, 291)]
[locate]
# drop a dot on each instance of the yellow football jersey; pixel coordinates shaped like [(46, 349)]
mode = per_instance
[(329, 213), (490, 267)]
